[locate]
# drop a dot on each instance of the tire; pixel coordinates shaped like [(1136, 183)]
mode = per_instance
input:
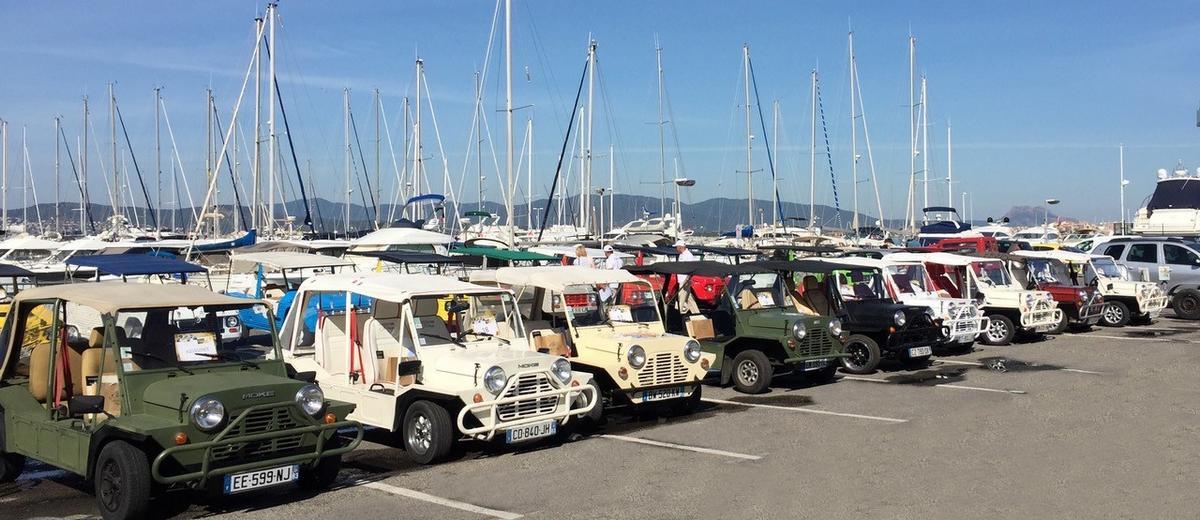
[(824, 375), (752, 372), (322, 475), (864, 355), (1142, 319), (595, 416), (427, 432), (1186, 304), (122, 482), (11, 465), (1115, 314), (1061, 326), (688, 405), (999, 332)]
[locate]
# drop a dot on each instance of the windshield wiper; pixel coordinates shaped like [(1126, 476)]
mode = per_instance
[(229, 357), (175, 364), (443, 338), (489, 336)]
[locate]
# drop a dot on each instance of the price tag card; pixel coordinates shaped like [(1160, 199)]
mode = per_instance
[(193, 346)]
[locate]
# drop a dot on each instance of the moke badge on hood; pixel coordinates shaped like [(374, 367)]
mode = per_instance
[(528, 365), (258, 395)]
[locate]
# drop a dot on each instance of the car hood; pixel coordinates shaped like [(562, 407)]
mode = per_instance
[(474, 360), (236, 389)]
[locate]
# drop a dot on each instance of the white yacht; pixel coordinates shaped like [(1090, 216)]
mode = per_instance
[(1174, 207)]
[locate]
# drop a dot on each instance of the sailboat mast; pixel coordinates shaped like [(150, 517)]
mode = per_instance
[(418, 147), (346, 141), (255, 183), (157, 163), (378, 171), (25, 181), (585, 187), (112, 120), (271, 152), (83, 171), (853, 134), (950, 168), (749, 137), (529, 177), (662, 146), (924, 143), (912, 134), (775, 150), (812, 161), (508, 122), (208, 154), (57, 172), (479, 137), (612, 175), (4, 175), (1122, 171)]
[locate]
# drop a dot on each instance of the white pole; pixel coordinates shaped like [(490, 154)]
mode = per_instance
[(4, 178), (662, 147), (775, 154), (950, 170), (587, 156), (812, 160), (749, 139), (924, 143), (346, 141), (112, 121), (612, 174), (912, 133), (83, 172), (418, 146), (1122, 170), (508, 121), (271, 153), (57, 171), (853, 136), (255, 196), (157, 165), (529, 177)]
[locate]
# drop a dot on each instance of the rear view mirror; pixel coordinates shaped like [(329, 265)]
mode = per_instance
[(84, 404), (457, 306)]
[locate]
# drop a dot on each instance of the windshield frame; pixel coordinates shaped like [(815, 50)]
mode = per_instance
[(602, 305), (274, 355)]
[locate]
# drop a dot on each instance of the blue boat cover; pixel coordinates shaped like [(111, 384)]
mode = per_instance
[(134, 265)]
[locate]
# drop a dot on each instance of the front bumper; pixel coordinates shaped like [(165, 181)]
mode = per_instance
[(528, 398), (1041, 318), (229, 441), (904, 339), (964, 327), (1088, 314), (1153, 305)]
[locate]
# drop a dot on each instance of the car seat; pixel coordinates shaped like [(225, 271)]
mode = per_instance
[(814, 297)]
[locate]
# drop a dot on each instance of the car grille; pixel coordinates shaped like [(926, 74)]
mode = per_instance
[(528, 384), (816, 343), (663, 369), (261, 421)]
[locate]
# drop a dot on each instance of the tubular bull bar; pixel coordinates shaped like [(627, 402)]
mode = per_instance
[(562, 410), (224, 438), (964, 327), (1041, 316), (1153, 305)]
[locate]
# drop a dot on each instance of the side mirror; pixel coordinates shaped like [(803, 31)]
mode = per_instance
[(80, 405)]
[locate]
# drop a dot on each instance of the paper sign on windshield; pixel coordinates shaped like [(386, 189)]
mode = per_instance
[(195, 346), (766, 299), (620, 313), (485, 325)]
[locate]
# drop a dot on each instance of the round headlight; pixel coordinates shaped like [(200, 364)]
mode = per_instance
[(798, 330), (691, 351), (1029, 300), (311, 399), (835, 327), (1082, 294), (562, 370), (494, 379), (899, 318), (207, 413), (636, 356), (232, 321)]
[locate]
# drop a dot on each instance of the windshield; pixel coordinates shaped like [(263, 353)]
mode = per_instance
[(757, 291), (186, 337), (1106, 267), (28, 255), (909, 279), (860, 284), (446, 319), (611, 304), (991, 273)]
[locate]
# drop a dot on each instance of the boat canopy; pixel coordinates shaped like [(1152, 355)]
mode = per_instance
[(281, 260), (13, 271), (407, 257), (393, 287), (430, 197), (509, 255), (134, 265), (477, 213), (1176, 193)]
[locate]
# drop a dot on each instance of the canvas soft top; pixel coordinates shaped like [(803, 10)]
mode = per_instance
[(699, 268), (559, 277), (110, 297)]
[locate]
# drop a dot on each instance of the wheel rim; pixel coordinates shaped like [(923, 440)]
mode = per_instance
[(1188, 304), (420, 434), (110, 485), (860, 355), (747, 372), (997, 331), (1113, 314)]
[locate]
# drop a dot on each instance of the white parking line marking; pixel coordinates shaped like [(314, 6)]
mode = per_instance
[(683, 447), (1076, 370), (463, 506), (805, 410), (1158, 340), (938, 385)]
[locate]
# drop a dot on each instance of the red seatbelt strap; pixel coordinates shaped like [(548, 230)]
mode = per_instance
[(355, 346), (63, 371)]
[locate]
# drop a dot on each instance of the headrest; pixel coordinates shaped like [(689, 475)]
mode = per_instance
[(96, 338), (810, 283)]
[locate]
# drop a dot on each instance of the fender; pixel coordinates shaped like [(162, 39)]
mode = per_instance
[(403, 401), (106, 434)]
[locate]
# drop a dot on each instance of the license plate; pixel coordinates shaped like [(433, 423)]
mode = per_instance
[(920, 351), (816, 364), (531, 431), (661, 394), (238, 482)]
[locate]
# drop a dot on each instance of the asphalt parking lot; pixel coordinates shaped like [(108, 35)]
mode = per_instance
[(1097, 425)]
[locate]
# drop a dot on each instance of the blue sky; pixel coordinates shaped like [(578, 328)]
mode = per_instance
[(1039, 94)]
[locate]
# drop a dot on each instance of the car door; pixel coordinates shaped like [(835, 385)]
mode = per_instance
[(1142, 258), (1184, 264)]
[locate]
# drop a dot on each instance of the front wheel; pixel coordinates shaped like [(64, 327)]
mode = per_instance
[(427, 432), (1186, 304), (688, 405), (1115, 314), (1000, 331), (11, 465), (1061, 326), (595, 416), (863, 355), (122, 482), (322, 475), (752, 372)]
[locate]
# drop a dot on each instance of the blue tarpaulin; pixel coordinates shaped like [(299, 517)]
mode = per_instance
[(134, 265)]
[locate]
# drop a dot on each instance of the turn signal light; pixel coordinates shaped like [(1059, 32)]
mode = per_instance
[(180, 439), (792, 343), (478, 398), (892, 330), (704, 364), (574, 383), (330, 418), (623, 373)]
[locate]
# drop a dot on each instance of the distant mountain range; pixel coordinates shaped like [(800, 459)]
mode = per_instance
[(711, 216)]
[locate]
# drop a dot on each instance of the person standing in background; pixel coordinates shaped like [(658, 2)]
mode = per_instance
[(687, 301), (581, 257), (611, 262)]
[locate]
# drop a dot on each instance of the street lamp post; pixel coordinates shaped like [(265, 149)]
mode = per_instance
[(1046, 217), (680, 182)]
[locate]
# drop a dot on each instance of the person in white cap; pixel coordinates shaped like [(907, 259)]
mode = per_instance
[(687, 302), (611, 261)]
